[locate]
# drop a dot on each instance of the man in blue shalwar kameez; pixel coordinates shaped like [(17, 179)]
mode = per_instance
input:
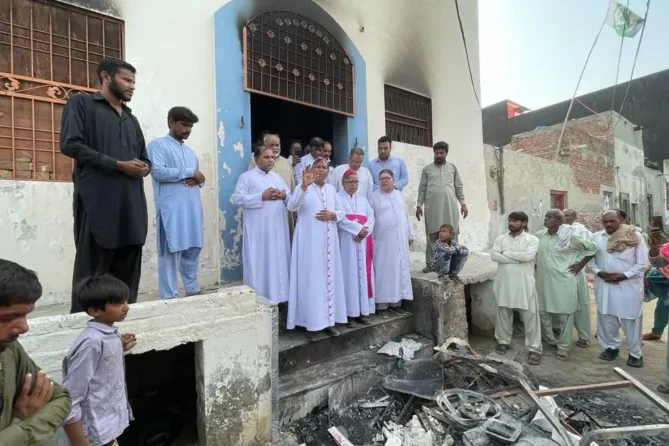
[(176, 190)]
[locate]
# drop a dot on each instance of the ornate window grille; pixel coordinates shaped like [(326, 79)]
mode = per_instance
[(48, 51), (408, 117), (290, 57)]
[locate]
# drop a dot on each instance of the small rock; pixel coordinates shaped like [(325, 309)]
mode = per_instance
[(599, 402)]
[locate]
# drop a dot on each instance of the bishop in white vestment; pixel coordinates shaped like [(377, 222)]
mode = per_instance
[(619, 267), (355, 233), (316, 298), (393, 236), (263, 195), (514, 286)]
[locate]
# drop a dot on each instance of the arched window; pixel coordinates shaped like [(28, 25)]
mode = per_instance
[(290, 57)]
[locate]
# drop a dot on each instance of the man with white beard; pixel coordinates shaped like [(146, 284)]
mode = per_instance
[(354, 236), (262, 195)]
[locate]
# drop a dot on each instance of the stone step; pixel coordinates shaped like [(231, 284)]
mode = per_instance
[(297, 352), (338, 380)]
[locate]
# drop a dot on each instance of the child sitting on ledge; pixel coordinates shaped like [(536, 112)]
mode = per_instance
[(449, 257)]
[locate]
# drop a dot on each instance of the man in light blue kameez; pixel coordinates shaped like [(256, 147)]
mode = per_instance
[(176, 189)]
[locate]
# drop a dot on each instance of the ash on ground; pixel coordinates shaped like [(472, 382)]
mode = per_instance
[(614, 409)]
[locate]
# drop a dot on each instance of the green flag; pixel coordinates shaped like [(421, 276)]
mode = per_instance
[(623, 20)]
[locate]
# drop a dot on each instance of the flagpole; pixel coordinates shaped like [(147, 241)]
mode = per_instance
[(571, 104)]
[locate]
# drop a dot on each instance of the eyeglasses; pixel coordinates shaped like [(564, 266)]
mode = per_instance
[(351, 181), (385, 179)]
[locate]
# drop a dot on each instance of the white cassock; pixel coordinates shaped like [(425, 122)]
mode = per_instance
[(357, 267), (392, 232), (619, 304), (266, 243), (316, 297)]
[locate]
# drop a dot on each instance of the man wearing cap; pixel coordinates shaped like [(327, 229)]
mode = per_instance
[(355, 231)]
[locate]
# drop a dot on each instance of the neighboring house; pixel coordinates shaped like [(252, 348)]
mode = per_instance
[(339, 70), (595, 169)]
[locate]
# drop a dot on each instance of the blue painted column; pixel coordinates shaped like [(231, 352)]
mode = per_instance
[(233, 121)]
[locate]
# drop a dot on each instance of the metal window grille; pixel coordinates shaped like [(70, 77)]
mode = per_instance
[(48, 51), (290, 57), (408, 117)]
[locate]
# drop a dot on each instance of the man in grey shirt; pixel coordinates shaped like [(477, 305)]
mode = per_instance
[(658, 260)]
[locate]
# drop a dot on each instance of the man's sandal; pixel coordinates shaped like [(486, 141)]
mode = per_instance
[(663, 388), (533, 358), (501, 349), (651, 336), (561, 356), (583, 343)]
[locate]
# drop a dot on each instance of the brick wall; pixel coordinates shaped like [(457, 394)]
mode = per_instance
[(588, 149)]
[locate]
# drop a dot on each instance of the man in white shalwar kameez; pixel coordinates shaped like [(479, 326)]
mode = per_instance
[(316, 297), (514, 288), (582, 316), (619, 267), (262, 195), (176, 192), (393, 236), (355, 231)]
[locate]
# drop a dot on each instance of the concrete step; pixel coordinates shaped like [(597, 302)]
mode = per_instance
[(297, 352), (338, 380)]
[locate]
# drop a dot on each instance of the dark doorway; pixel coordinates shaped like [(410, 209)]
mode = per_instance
[(163, 396), (291, 121)]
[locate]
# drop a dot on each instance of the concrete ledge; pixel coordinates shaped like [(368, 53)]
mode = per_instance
[(236, 356), (440, 309)]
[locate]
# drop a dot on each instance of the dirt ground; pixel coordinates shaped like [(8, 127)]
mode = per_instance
[(584, 365)]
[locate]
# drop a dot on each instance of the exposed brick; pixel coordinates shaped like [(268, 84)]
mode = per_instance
[(592, 166)]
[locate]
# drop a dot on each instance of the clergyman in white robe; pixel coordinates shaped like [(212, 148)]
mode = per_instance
[(619, 304), (316, 298), (392, 259), (514, 288), (356, 265), (265, 241)]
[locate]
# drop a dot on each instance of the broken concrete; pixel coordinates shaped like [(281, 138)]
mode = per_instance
[(440, 308)]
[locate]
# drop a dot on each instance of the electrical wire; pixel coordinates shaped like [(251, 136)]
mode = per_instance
[(580, 78), (636, 56), (464, 42)]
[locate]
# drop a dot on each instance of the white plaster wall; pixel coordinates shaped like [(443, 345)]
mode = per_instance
[(528, 181), (401, 47), (172, 49)]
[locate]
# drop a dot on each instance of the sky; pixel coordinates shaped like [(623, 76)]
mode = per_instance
[(532, 51)]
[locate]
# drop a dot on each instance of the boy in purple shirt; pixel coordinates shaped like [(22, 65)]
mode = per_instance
[(94, 369)]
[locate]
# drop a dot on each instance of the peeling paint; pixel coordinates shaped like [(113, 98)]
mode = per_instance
[(239, 148), (221, 133), (227, 168)]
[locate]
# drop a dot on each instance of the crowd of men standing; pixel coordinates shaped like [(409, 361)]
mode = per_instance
[(542, 277)]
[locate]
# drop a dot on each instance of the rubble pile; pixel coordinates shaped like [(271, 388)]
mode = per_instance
[(459, 397)]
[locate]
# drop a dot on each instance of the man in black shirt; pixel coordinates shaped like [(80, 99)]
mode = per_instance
[(110, 217)]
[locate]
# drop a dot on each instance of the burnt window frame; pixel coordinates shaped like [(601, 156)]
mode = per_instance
[(408, 116)]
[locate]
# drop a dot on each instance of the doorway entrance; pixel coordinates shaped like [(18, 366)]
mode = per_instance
[(292, 121)]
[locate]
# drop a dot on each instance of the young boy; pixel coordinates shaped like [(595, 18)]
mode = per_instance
[(94, 369), (26, 393), (449, 257)]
